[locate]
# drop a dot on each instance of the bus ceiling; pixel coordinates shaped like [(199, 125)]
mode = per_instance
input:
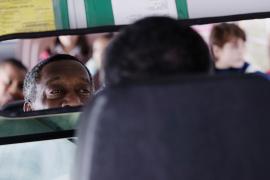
[(30, 18)]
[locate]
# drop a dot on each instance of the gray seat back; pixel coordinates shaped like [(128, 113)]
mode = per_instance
[(194, 128)]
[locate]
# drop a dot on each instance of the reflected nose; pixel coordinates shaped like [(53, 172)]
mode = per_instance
[(71, 99)]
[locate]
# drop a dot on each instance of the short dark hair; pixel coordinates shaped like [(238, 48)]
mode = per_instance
[(33, 76), (154, 47), (14, 62), (223, 33)]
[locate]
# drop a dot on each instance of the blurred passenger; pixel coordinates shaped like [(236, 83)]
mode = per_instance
[(155, 47), (12, 73), (60, 81), (227, 44), (95, 64), (70, 44)]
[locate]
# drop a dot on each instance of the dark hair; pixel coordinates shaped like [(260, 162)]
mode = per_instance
[(155, 47), (14, 62), (33, 76), (223, 33)]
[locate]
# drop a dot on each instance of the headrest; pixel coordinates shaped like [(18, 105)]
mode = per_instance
[(188, 128)]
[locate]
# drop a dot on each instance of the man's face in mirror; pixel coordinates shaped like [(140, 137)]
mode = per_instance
[(61, 84), (11, 83)]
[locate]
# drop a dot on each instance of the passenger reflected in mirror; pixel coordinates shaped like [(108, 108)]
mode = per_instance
[(228, 48), (12, 73), (70, 44), (59, 81), (95, 63)]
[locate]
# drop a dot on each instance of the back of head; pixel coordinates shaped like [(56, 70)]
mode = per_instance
[(154, 47)]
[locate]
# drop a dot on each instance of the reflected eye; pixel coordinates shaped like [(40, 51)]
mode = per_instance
[(55, 91), (84, 91)]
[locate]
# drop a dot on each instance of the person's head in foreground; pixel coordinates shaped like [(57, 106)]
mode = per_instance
[(227, 44), (60, 81), (12, 73), (155, 47)]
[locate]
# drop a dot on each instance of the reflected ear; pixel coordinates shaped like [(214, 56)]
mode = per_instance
[(216, 52), (27, 106)]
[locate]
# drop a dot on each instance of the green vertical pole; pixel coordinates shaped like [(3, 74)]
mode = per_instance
[(99, 12), (61, 14), (182, 9)]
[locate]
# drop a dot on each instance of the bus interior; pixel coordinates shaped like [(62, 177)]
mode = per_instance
[(190, 127)]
